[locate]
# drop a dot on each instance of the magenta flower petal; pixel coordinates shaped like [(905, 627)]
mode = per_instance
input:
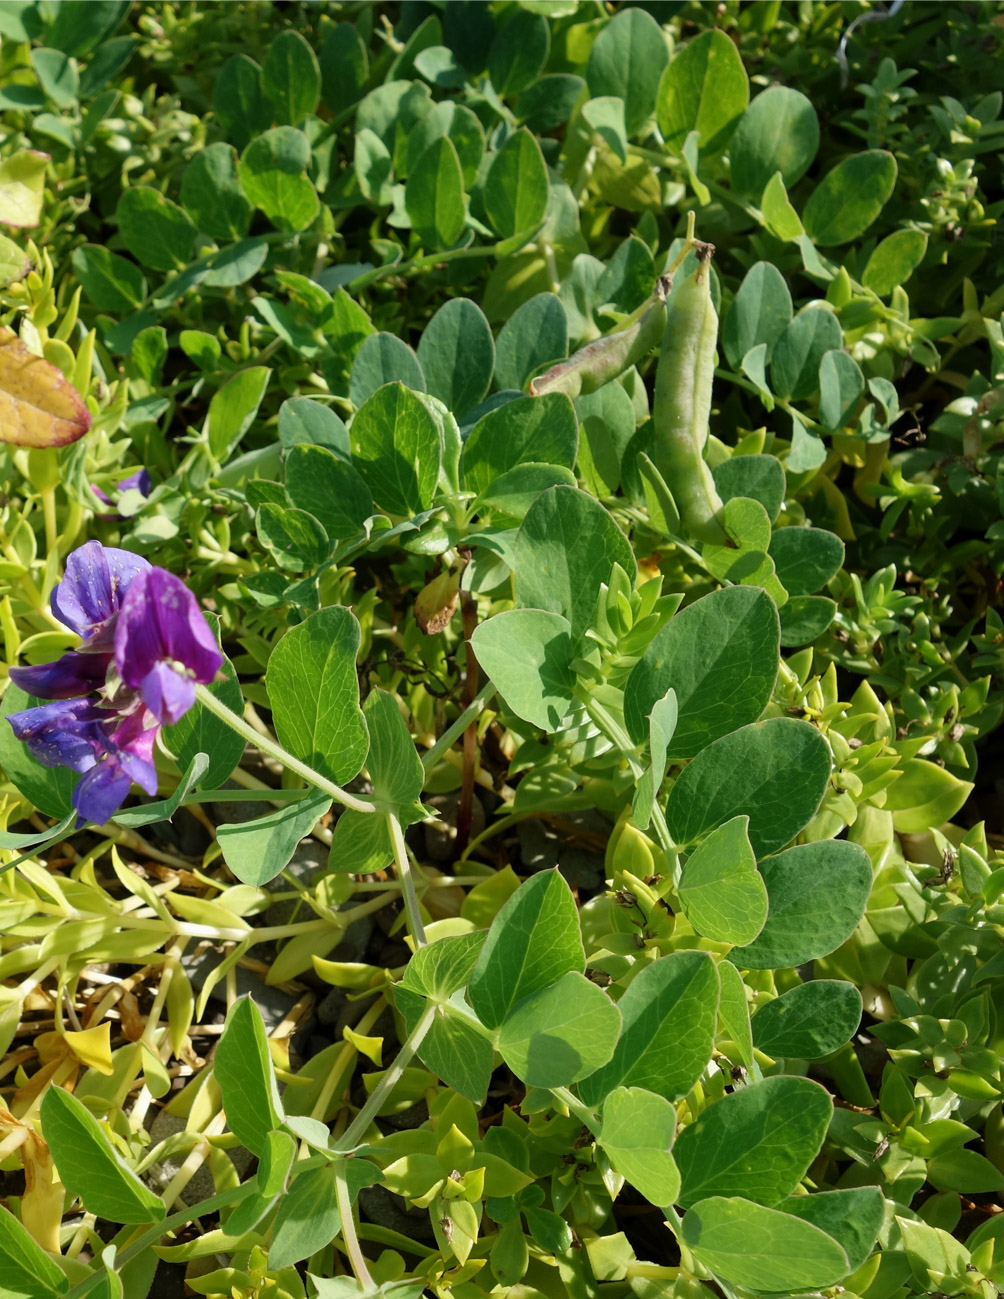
[(88, 597), (161, 630), (73, 674)]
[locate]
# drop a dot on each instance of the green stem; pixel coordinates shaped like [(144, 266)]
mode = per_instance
[(408, 893), (355, 1254), (209, 701), (418, 264), (357, 1129), (578, 1108), (457, 728)]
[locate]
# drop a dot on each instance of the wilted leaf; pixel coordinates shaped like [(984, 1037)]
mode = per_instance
[(38, 407)]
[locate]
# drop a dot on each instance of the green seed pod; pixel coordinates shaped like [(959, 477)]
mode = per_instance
[(597, 363), (682, 405)]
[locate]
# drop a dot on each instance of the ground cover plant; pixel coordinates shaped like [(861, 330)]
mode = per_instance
[(502, 546)]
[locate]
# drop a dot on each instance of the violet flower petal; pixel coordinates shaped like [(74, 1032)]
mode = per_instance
[(63, 734), (160, 625), (167, 694), (94, 582), (72, 675), (101, 793), (140, 480)]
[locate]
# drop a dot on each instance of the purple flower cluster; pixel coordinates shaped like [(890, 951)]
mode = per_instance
[(144, 646)]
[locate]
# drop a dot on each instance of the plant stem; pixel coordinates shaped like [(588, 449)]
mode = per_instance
[(465, 808), (457, 728), (209, 701), (580, 1110), (408, 893), (356, 1130), (349, 1236)]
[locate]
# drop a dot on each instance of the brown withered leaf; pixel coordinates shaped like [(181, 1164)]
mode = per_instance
[(38, 407)]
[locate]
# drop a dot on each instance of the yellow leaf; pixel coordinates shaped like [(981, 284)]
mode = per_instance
[(38, 407), (93, 1047), (22, 187), (370, 1047)]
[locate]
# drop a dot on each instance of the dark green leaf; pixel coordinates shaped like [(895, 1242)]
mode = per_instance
[(817, 894), (779, 132), (314, 694), (112, 283), (518, 53), (757, 1142), (396, 447), (457, 355), (290, 78), (156, 231), (233, 409), (328, 487), (776, 771), (852, 1217), (761, 1248), (256, 851), (26, 1271), (212, 194), (894, 260), (434, 195), (308, 1218), (88, 1164), (627, 59), (797, 353), (239, 101), (841, 386), (669, 1010), (516, 188), (720, 657), (805, 558), (809, 1021), (534, 335), (760, 312), (453, 1049), (565, 550), (243, 1068), (58, 76), (534, 941), (761, 478), (849, 198), (705, 89), (344, 67), (360, 844), (804, 618), (384, 359), (527, 653), (394, 766), (80, 26), (273, 176), (303, 420), (560, 1034), (722, 892)]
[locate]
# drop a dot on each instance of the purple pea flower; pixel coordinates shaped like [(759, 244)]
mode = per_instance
[(109, 751), (163, 645), (145, 646), (72, 675), (140, 481), (87, 599)]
